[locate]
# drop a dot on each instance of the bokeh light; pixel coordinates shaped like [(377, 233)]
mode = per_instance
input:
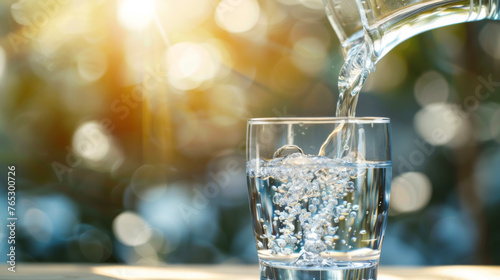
[(410, 192), (489, 39), (95, 245), (136, 14), (40, 226), (442, 124), (130, 229), (308, 53), (146, 178), (431, 87), (92, 64), (190, 64), (485, 120), (237, 16), (95, 146)]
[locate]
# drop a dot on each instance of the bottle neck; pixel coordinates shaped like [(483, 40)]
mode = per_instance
[(392, 29)]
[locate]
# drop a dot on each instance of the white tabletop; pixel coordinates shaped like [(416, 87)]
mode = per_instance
[(224, 272)]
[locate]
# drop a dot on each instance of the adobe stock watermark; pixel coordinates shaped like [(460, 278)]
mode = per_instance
[(122, 105), (453, 118), (222, 179), (32, 25), (212, 189)]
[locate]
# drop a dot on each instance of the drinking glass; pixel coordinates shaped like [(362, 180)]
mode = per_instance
[(319, 217)]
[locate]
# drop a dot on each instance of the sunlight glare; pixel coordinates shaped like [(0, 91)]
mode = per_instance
[(190, 64), (136, 14)]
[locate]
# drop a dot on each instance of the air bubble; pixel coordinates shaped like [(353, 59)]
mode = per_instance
[(350, 186), (332, 230), (313, 208), (287, 150), (281, 243), (354, 239), (312, 200), (362, 231)]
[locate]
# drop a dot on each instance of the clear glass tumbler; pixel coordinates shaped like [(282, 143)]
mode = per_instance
[(319, 217)]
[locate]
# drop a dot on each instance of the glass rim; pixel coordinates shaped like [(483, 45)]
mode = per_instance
[(319, 120)]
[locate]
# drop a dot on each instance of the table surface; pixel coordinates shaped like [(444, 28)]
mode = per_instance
[(223, 272)]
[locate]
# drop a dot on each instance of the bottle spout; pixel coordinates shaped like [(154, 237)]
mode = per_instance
[(387, 23)]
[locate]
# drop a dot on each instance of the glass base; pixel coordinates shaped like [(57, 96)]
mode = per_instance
[(363, 272)]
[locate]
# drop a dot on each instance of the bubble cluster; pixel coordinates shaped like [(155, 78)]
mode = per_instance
[(309, 196)]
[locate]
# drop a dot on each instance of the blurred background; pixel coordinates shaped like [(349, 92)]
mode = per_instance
[(126, 123)]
